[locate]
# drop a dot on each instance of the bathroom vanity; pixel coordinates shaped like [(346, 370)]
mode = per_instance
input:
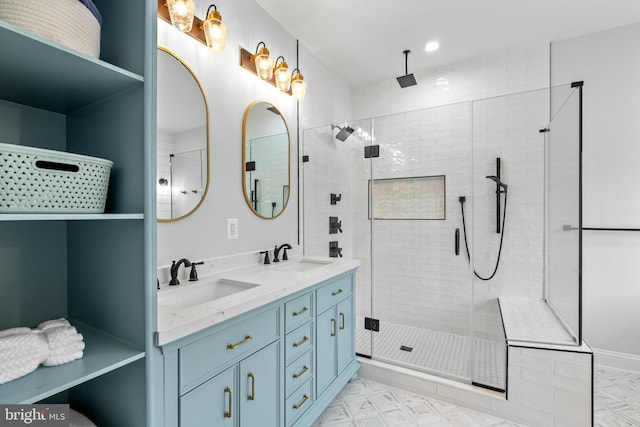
[(273, 352)]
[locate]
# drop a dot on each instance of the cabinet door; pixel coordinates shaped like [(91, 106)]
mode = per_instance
[(213, 403), (346, 351), (260, 388), (327, 329)]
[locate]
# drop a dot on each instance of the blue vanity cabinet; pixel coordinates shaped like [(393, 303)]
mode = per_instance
[(212, 403), (243, 395), (259, 388), (279, 365), (335, 330)]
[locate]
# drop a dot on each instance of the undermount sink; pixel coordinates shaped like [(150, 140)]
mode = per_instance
[(199, 293), (301, 265)]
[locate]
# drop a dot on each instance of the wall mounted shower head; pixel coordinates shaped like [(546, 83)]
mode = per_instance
[(497, 181), (343, 133)]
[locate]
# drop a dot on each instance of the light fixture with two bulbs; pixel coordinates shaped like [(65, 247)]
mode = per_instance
[(181, 14)]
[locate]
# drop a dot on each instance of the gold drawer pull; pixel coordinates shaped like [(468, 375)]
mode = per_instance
[(228, 390), (298, 313), (338, 292), (341, 321), (333, 327), (304, 340), (305, 368), (252, 396), (246, 339), (302, 402)]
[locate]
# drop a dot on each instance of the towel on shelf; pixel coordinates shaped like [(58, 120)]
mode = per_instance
[(93, 9), (65, 345), (21, 354), (53, 323), (52, 343), (14, 331)]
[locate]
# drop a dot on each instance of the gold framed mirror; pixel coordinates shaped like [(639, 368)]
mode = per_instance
[(182, 179), (265, 160)]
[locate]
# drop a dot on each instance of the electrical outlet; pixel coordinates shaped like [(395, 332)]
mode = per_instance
[(232, 228)]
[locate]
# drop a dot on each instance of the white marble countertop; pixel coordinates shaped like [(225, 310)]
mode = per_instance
[(275, 281)]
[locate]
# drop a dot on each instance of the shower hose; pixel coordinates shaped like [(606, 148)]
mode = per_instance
[(464, 231)]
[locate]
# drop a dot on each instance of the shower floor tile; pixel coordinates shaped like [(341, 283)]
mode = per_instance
[(436, 352), (366, 403)]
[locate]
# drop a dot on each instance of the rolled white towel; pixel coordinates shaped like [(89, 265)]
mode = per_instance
[(14, 331), (29, 339), (54, 323), (64, 355), (60, 336), (30, 351)]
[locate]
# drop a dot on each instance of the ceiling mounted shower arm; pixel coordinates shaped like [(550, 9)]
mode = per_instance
[(406, 61)]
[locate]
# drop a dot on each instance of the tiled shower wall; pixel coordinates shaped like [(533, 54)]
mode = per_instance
[(418, 279)]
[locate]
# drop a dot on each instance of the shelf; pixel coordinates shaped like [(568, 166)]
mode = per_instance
[(103, 353), (44, 74), (67, 217)]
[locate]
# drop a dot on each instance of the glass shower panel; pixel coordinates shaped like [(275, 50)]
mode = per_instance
[(335, 181), (508, 219), (562, 216), (421, 288)]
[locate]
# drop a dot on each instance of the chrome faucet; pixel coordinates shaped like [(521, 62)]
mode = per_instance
[(175, 266), (277, 250)]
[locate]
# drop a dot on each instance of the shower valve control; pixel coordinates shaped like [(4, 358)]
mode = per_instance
[(334, 250), (335, 198), (334, 225)]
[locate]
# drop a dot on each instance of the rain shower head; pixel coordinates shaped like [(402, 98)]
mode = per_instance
[(407, 79), (497, 181), (343, 133)]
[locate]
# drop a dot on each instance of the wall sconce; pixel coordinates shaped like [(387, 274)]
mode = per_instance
[(181, 13), (211, 32), (215, 31), (281, 75), (298, 85), (263, 62)]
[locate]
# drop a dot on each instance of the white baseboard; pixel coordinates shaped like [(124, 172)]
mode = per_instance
[(612, 359)]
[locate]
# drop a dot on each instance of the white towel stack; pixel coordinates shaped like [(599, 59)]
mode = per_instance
[(23, 349), (65, 342)]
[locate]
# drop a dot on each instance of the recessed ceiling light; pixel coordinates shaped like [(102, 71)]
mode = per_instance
[(432, 46)]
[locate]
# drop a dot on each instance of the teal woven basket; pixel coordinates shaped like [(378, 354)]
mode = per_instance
[(34, 180)]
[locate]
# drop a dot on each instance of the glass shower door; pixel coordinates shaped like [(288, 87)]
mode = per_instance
[(335, 176), (421, 285)]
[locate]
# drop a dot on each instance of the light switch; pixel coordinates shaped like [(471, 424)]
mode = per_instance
[(232, 228)]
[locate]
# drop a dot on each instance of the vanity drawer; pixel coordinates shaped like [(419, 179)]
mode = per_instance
[(298, 403), (334, 292), (298, 372), (202, 359), (298, 311), (298, 341)]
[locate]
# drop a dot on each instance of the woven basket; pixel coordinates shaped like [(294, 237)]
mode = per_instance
[(33, 180), (67, 22)]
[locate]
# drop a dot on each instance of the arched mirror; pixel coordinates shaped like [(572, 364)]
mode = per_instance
[(265, 160), (183, 139)]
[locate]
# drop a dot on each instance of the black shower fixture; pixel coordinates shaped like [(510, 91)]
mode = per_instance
[(343, 133), (501, 188), (407, 79)]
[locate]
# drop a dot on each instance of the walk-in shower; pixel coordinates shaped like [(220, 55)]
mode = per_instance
[(402, 177)]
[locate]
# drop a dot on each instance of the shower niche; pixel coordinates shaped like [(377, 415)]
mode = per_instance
[(442, 292)]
